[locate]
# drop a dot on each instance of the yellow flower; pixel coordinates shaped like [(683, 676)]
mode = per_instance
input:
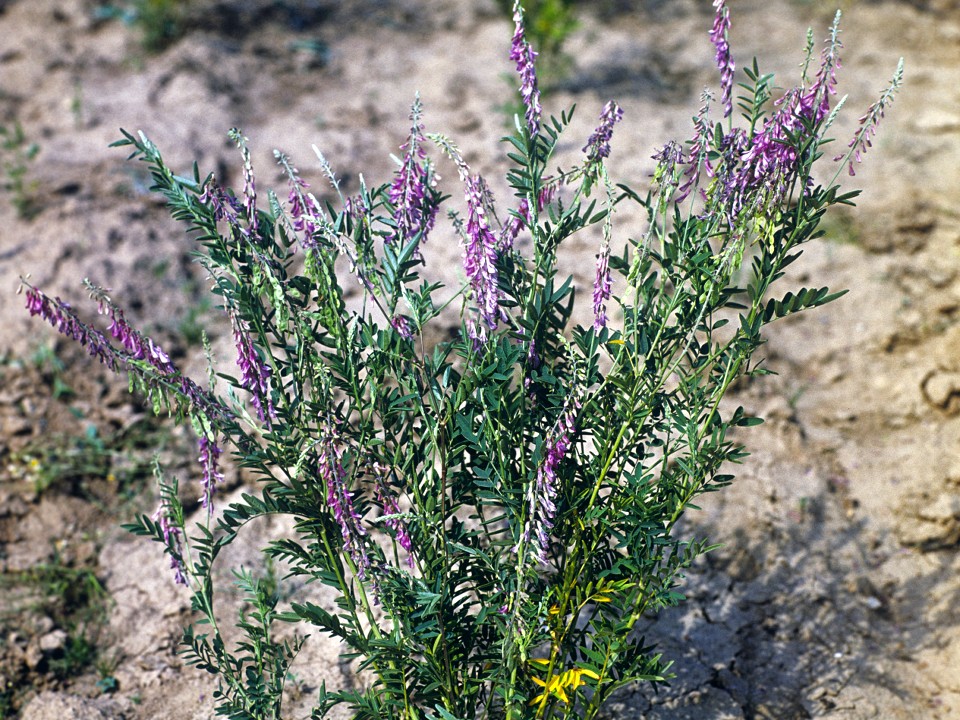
[(559, 684)]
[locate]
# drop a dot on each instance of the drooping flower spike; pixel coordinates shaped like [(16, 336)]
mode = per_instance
[(340, 500)]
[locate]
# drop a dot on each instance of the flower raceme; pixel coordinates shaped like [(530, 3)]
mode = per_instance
[(415, 210), (719, 35), (524, 56)]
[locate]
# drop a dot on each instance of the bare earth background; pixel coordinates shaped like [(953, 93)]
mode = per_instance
[(836, 593)]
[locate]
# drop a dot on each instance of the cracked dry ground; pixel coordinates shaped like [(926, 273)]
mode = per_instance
[(836, 592)]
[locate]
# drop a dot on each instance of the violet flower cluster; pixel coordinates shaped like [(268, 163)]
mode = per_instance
[(480, 263), (390, 507), (756, 171), (699, 150), (136, 348), (598, 146), (401, 324), (139, 347), (863, 138), (255, 373), (414, 210), (524, 56), (304, 211), (719, 38), (249, 184), (224, 206), (543, 497), (211, 474), (173, 541), (60, 315), (340, 502)]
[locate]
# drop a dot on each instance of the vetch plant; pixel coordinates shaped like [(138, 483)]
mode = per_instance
[(495, 512)]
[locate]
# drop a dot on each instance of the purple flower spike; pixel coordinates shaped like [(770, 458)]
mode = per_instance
[(480, 263), (255, 372), (304, 211), (598, 146), (139, 347), (543, 507), (524, 56), (249, 182), (225, 207), (414, 211), (60, 315), (340, 501), (697, 159), (601, 288), (171, 538), (718, 35), (212, 476), (863, 139), (390, 507)]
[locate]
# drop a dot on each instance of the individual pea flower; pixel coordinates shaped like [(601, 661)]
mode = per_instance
[(719, 38), (255, 372), (414, 208), (598, 146), (524, 56), (212, 475), (340, 501), (401, 324)]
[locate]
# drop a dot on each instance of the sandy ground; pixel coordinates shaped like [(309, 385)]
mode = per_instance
[(836, 592)]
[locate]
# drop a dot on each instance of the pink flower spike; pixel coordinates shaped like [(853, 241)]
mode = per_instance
[(598, 146), (718, 36), (480, 264), (524, 56)]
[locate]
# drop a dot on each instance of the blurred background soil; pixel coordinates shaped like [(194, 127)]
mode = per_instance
[(836, 592)]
